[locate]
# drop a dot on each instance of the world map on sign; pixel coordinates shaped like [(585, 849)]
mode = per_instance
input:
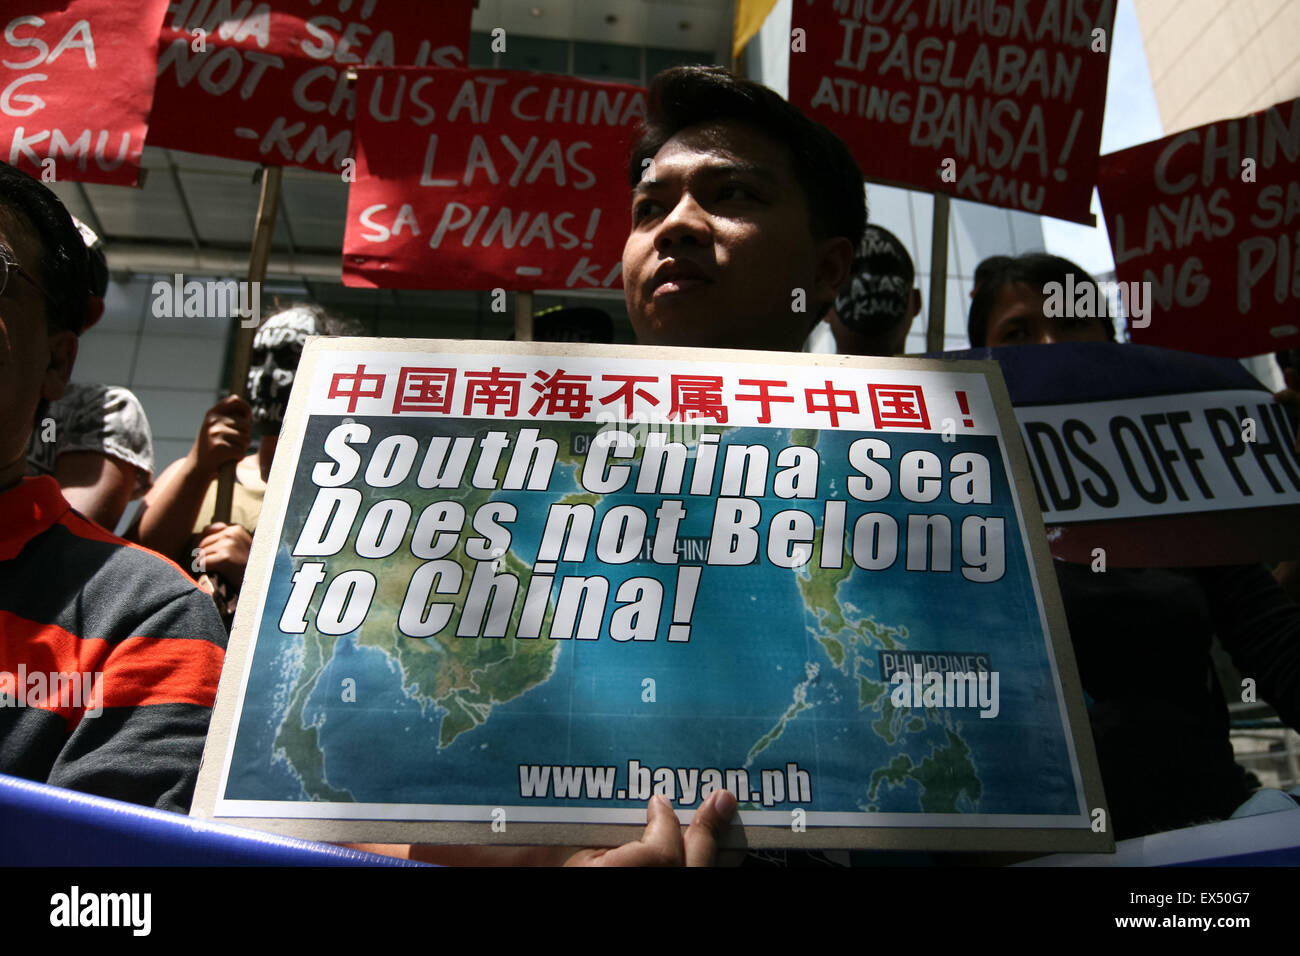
[(646, 661)]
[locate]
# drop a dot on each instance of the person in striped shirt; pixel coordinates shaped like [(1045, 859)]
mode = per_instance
[(109, 654)]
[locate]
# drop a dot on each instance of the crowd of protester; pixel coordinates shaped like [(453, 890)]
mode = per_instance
[(749, 200)]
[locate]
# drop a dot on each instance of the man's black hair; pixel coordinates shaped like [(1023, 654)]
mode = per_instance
[(96, 261), (1034, 269), (573, 323), (879, 291), (63, 269), (328, 322), (686, 96), (987, 268)]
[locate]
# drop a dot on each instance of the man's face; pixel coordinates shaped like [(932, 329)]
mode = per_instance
[(891, 340), (721, 240), (277, 347), (34, 365), (1018, 317)]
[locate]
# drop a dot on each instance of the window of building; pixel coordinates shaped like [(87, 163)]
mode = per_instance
[(657, 59), (607, 61), (535, 53)]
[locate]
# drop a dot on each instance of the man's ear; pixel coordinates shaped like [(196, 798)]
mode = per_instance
[(914, 304), (834, 263), (63, 354)]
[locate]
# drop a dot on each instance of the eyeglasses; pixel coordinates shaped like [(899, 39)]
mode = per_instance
[(9, 266)]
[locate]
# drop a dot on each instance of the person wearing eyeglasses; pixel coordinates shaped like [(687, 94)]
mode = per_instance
[(109, 654)]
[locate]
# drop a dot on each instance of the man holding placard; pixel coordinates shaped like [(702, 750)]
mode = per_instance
[(736, 241), (525, 637)]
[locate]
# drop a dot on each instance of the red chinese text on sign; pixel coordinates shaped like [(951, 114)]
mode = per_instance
[(561, 394), (698, 396), (764, 396), (629, 391), (489, 391), (833, 401), (424, 390), (353, 386), (898, 406)]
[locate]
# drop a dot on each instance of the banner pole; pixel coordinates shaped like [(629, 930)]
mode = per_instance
[(731, 39), (267, 206), (523, 316), (938, 274)]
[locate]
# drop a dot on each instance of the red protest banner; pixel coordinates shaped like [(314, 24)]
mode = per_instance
[(491, 179), (1205, 226), (76, 78), (270, 85), (996, 102)]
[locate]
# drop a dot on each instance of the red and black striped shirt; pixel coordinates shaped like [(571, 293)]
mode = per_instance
[(145, 643)]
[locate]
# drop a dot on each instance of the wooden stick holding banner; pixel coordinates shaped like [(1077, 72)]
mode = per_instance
[(267, 206), (523, 316), (733, 55), (938, 273)]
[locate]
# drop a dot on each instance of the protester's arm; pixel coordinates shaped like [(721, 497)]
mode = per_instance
[(156, 693), (1259, 626), (662, 843), (97, 485), (168, 512), (170, 509)]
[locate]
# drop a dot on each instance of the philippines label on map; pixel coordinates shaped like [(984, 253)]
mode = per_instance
[(503, 593)]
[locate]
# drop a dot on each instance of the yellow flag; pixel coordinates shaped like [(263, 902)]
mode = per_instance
[(750, 15)]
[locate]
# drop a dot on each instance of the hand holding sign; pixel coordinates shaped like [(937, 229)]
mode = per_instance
[(223, 436), (664, 844), (224, 551)]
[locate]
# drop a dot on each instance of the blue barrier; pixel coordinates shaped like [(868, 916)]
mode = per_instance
[(42, 825), (1264, 839)]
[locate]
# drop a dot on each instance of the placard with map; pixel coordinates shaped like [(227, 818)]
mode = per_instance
[(502, 593)]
